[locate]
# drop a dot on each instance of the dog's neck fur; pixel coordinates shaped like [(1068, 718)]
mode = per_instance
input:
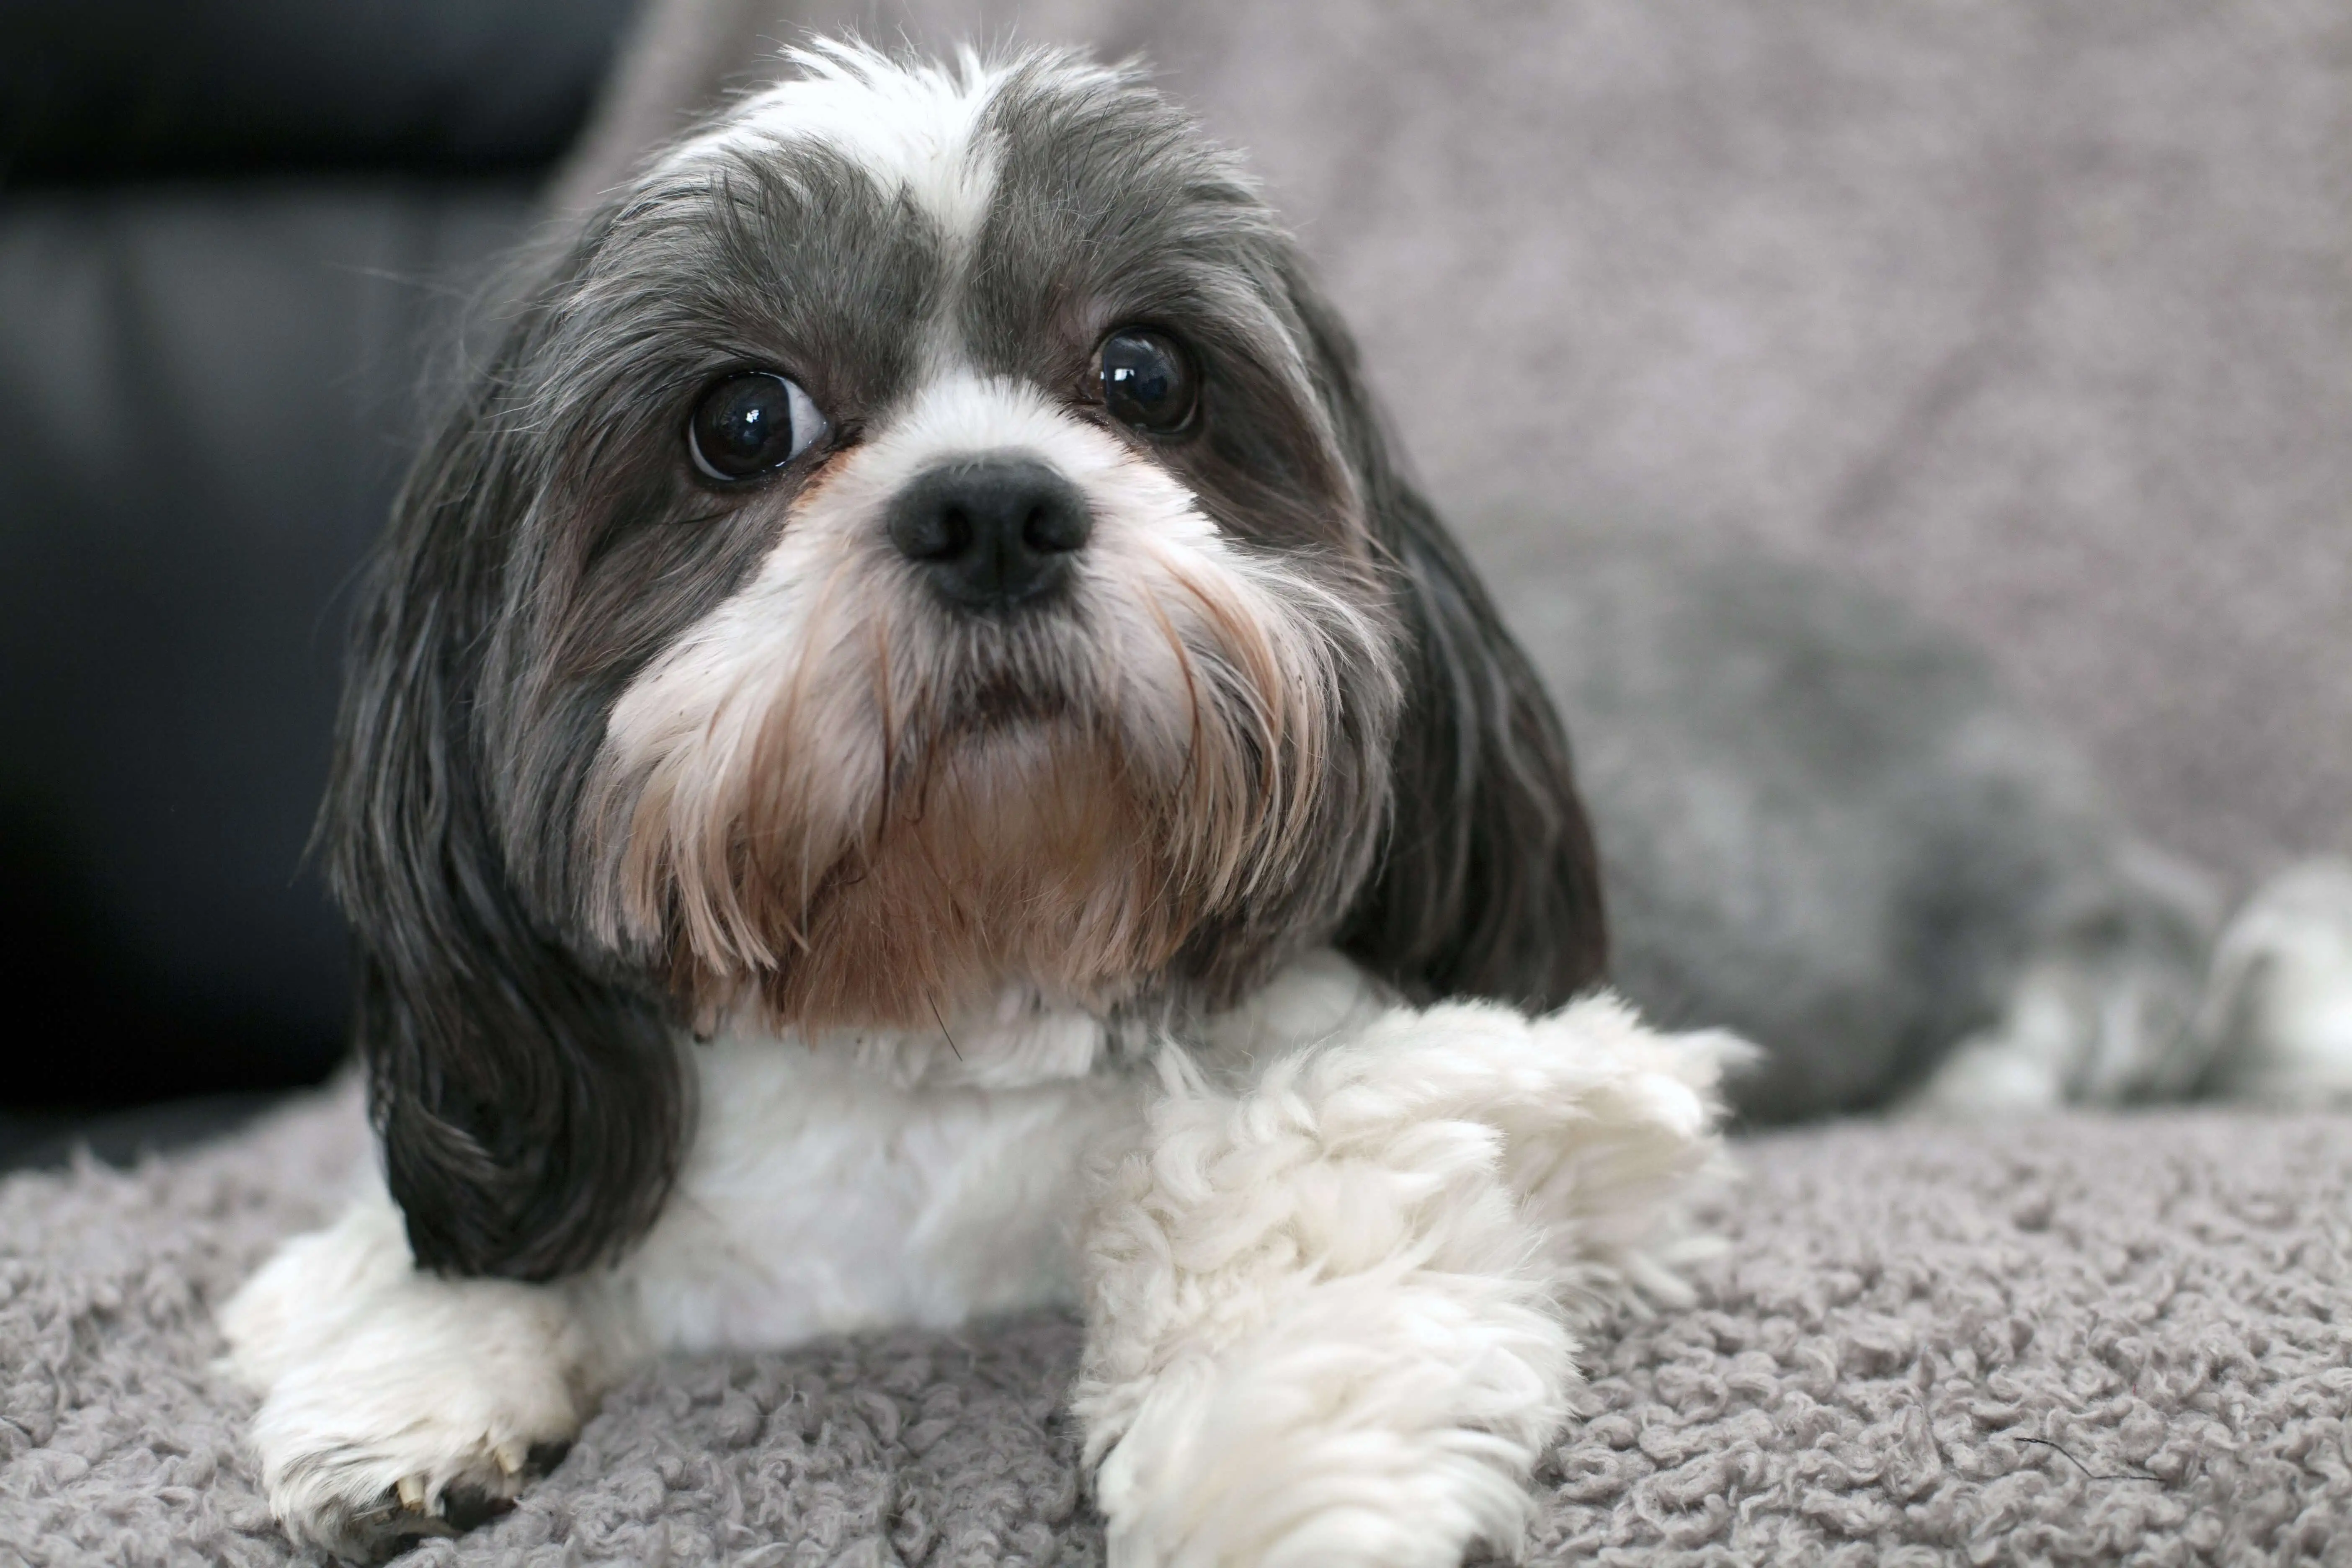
[(1019, 1040), (1022, 1039)]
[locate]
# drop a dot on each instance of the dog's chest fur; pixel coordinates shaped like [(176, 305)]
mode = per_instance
[(924, 1178)]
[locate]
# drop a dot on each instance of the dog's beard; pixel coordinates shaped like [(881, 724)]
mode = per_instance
[(929, 810), (1026, 850)]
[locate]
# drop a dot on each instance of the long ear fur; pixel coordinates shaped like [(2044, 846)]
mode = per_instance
[(531, 1112), (1489, 884)]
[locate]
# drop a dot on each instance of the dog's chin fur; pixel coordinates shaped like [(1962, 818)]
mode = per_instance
[(630, 755), (1028, 855)]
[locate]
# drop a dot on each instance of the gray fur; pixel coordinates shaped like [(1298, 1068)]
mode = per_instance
[(1826, 825)]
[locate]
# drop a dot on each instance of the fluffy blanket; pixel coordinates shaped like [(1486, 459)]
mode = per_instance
[(2076, 1340)]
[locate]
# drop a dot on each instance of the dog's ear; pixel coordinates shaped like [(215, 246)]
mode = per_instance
[(531, 1110), (1489, 883)]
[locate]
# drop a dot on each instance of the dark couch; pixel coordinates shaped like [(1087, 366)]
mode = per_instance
[(226, 231)]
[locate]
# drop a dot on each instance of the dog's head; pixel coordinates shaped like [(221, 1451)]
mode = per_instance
[(926, 537)]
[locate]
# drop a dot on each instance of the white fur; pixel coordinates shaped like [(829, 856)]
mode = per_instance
[(382, 1383), (2279, 1006), (2273, 1022), (833, 1185), (916, 128), (854, 1184), (1338, 1254), (1333, 1303)]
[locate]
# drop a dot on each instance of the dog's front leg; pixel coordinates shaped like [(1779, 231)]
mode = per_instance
[(396, 1403), (1332, 1306)]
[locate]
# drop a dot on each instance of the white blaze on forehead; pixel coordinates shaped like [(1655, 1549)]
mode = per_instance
[(916, 128), (961, 414)]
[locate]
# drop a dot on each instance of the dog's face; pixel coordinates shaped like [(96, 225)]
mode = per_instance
[(951, 557), (926, 538)]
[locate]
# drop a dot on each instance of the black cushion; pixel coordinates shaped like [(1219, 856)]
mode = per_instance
[(207, 398), (208, 388), (108, 89)]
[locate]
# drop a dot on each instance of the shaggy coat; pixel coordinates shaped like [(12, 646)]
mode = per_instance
[(912, 754)]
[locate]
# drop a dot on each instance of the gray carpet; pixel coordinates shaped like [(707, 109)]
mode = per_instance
[(2081, 1340)]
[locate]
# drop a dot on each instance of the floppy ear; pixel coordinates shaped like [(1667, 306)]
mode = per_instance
[(1488, 884), (531, 1112)]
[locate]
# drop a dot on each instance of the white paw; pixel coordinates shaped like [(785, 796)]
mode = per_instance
[(1378, 1422), (393, 1436), (395, 1405), (2279, 1005), (1332, 1312)]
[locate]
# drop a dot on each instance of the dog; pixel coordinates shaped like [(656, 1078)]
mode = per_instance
[(913, 755)]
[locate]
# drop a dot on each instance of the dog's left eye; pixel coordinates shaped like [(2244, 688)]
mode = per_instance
[(750, 423), (1146, 381)]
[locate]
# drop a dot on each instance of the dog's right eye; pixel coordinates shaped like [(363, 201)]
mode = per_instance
[(750, 422)]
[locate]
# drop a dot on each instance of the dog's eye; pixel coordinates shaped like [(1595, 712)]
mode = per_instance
[(1147, 382), (750, 423)]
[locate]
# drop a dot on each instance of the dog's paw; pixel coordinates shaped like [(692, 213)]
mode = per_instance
[(2278, 1009), (395, 1405), (1332, 1313), (399, 1435), (379, 1445), (317, 1498), (1378, 1423)]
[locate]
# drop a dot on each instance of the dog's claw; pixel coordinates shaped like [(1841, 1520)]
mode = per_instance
[(407, 1512), (381, 1533)]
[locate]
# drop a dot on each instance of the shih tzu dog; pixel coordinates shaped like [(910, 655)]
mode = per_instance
[(912, 755)]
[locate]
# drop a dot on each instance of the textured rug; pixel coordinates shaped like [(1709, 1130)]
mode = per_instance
[(2079, 1339)]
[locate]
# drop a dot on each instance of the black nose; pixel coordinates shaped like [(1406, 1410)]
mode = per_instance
[(992, 532)]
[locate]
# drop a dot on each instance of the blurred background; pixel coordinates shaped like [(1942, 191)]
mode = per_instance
[(2035, 316), (233, 233)]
